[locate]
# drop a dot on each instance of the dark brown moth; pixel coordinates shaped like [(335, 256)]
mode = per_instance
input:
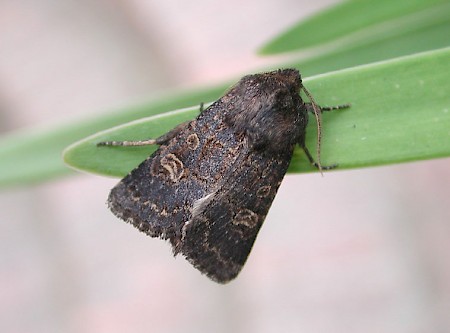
[(209, 186)]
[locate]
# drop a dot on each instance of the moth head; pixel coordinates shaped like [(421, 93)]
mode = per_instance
[(267, 107), (282, 79), (288, 78)]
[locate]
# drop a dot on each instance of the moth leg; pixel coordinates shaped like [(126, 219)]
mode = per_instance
[(314, 163), (158, 141), (127, 143), (171, 134), (310, 108)]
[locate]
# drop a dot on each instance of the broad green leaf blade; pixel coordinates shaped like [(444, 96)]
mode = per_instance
[(35, 155), (434, 36), (358, 21), (400, 112), (118, 161)]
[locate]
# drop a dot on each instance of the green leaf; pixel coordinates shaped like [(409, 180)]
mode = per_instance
[(434, 36), (118, 161), (357, 22), (400, 112), (33, 156)]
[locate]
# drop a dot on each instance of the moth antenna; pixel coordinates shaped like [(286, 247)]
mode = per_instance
[(318, 115)]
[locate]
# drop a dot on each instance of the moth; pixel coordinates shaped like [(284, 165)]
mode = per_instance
[(209, 186)]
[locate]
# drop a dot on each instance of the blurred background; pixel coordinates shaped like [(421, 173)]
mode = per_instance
[(353, 251)]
